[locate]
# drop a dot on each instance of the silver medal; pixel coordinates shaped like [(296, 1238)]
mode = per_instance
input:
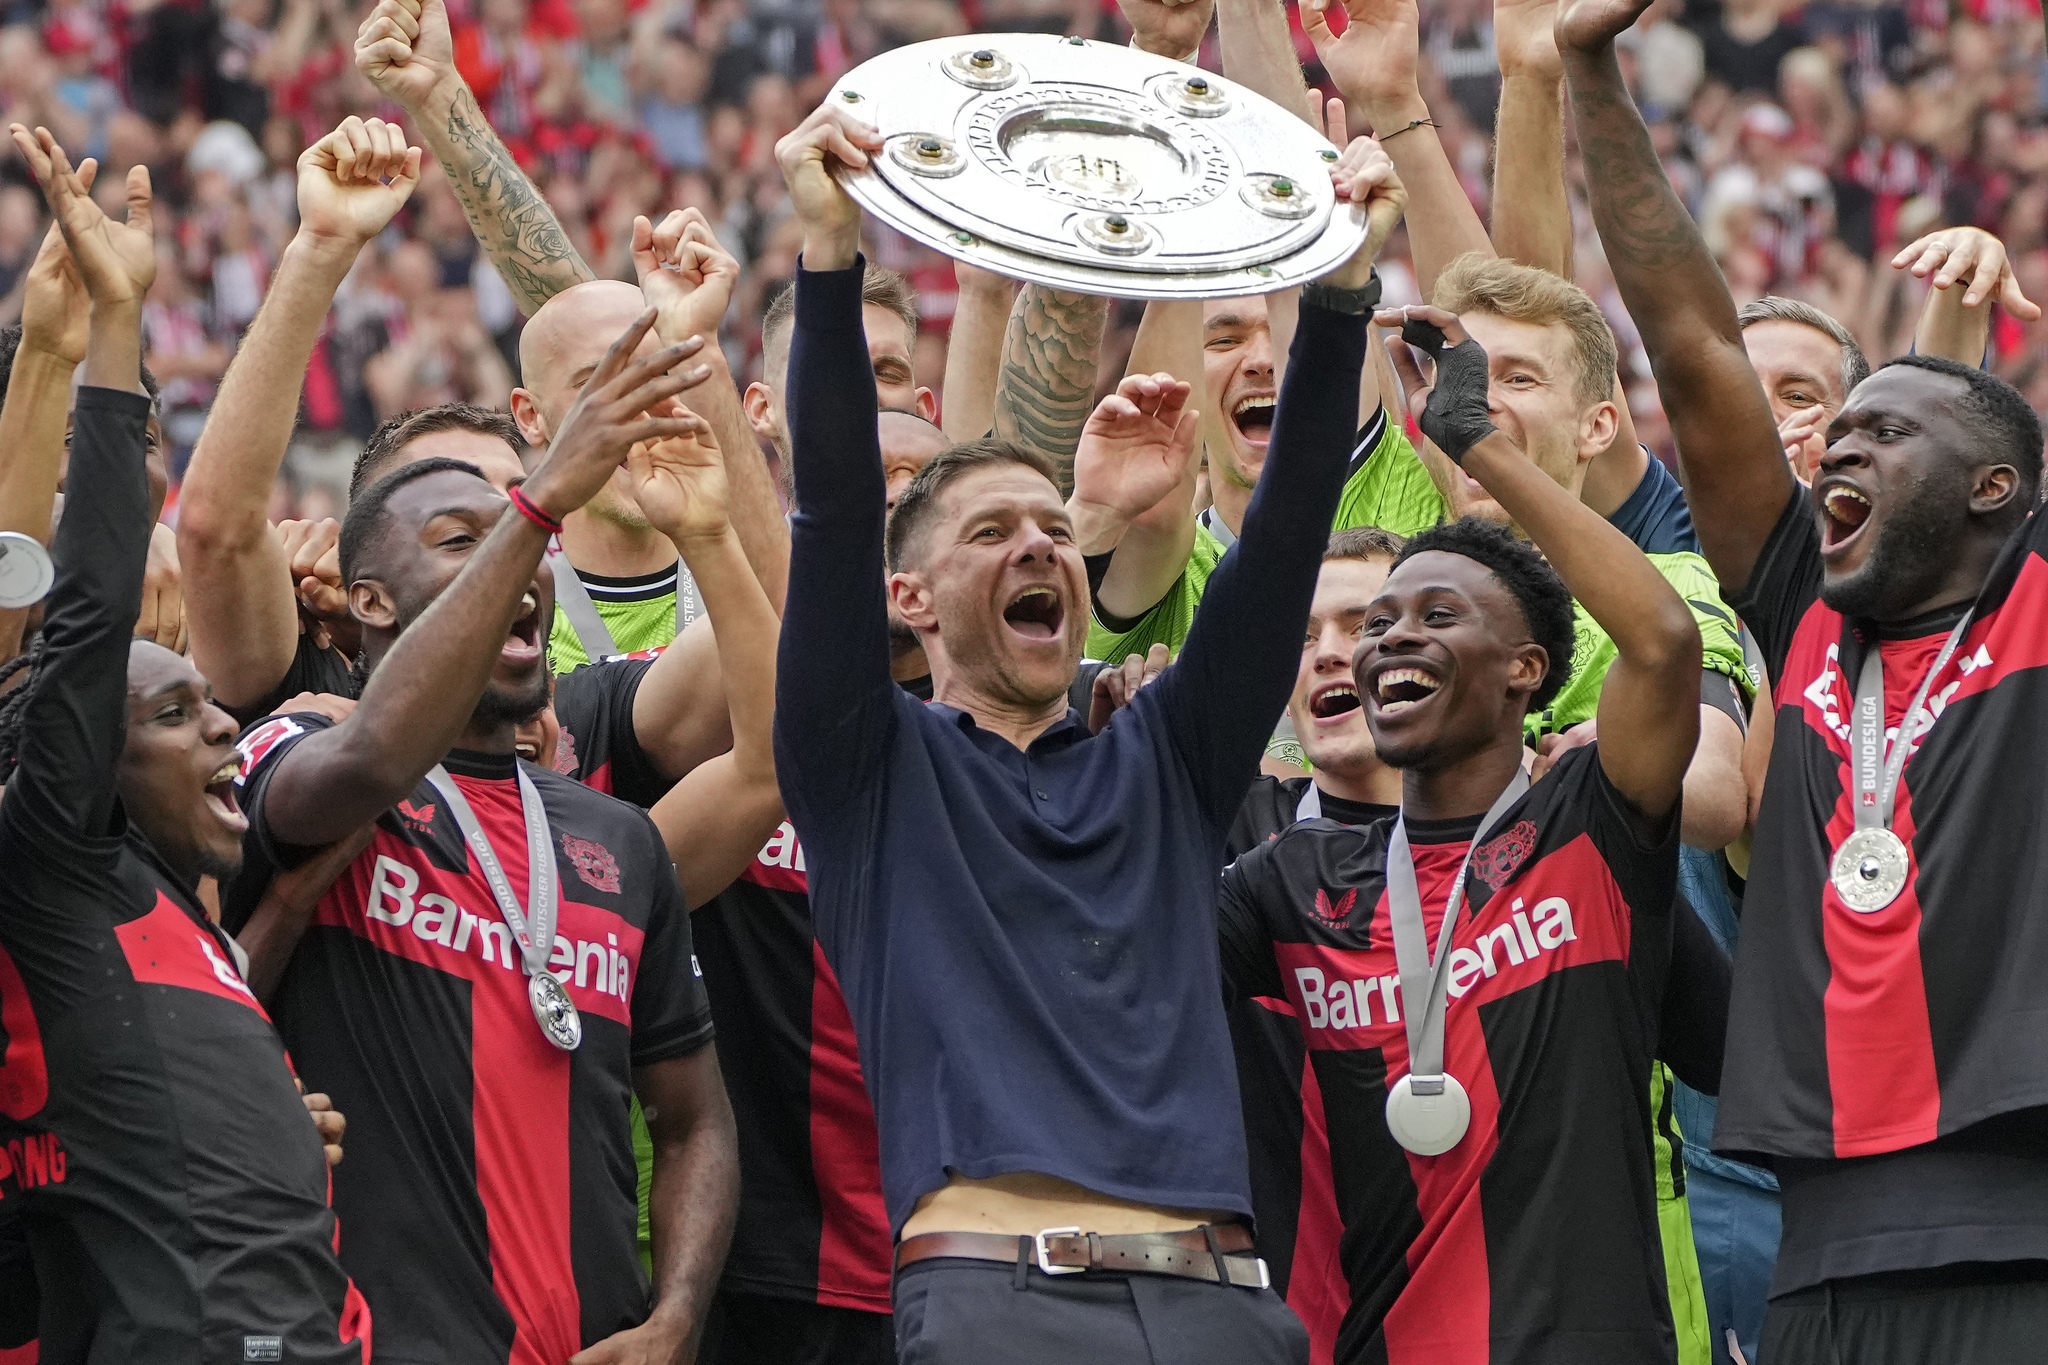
[(1428, 1125), (1869, 870), (26, 572), (559, 1022)]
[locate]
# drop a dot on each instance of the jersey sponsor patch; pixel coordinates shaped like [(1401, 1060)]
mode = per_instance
[(257, 744), (1334, 913), (593, 863), (780, 863), (420, 817)]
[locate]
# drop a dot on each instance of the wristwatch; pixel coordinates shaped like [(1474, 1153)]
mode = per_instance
[(1357, 302)]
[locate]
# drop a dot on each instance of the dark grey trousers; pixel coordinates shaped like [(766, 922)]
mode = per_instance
[(1957, 1315), (962, 1312)]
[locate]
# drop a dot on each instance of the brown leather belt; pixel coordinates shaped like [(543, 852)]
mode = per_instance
[(1218, 1253)]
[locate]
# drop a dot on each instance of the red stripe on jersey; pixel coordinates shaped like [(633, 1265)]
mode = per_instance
[(1317, 1289), (164, 947), (853, 1242), (520, 1113), (19, 1355), (394, 898), (599, 780), (24, 1079)]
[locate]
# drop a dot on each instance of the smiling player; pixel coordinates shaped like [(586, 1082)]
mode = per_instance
[(1472, 987)]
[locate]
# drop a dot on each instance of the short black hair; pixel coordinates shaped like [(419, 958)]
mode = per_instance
[(2009, 427), (1545, 601), (388, 441), (920, 497), (364, 525)]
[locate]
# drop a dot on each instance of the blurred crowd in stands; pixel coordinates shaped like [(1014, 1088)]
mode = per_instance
[(1811, 143)]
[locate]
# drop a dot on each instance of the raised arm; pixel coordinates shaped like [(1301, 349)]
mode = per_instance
[(1730, 457), (835, 639), (408, 53), (1957, 322), (53, 337), (715, 820), (1532, 217), (420, 699), (688, 276), (241, 604), (974, 351), (1258, 52), (75, 719), (1373, 67), (1045, 387), (1234, 673), (1649, 703)]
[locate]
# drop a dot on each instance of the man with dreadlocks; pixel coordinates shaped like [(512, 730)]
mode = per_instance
[(148, 1113)]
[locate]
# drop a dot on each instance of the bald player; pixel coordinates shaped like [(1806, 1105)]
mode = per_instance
[(629, 592)]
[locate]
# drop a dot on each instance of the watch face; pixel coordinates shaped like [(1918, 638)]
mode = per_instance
[(26, 572), (1096, 167)]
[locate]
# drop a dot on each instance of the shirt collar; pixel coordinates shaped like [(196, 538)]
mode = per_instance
[(1068, 729)]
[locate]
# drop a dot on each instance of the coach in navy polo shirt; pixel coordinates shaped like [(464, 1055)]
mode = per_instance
[(1021, 914)]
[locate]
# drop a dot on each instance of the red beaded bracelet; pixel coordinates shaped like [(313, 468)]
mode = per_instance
[(533, 513)]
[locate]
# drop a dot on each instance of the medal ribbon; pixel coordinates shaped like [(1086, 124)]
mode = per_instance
[(1420, 978), (1876, 781), (541, 885)]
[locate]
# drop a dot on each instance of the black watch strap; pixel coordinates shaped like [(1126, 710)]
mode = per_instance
[(1358, 302)]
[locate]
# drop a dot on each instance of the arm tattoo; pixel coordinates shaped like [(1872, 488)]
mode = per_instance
[(1047, 385), (1642, 222), (514, 224)]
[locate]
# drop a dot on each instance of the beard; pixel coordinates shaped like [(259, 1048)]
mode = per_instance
[(1914, 551), (513, 706), (222, 867)]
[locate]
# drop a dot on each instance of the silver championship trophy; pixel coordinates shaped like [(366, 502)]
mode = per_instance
[(1096, 168)]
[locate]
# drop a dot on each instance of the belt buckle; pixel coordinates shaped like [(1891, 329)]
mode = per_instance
[(1043, 1264)]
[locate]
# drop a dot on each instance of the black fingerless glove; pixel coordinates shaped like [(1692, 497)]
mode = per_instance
[(1456, 418)]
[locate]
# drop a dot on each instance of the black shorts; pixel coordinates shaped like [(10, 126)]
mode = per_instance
[(1978, 1314), (752, 1329), (965, 1312)]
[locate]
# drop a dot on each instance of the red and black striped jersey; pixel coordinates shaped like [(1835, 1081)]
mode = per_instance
[(1487, 1252), (812, 1225), (599, 746), (155, 1158), (1856, 1034), (489, 1190)]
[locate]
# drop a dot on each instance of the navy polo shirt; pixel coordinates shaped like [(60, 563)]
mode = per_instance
[(1026, 939)]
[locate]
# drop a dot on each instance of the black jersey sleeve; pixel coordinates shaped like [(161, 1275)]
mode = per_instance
[(594, 704), (60, 806), (1244, 943), (1692, 1022), (1647, 873), (671, 1012), (263, 747), (312, 669), (1784, 583)]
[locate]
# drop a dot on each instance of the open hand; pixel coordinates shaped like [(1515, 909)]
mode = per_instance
[(1116, 684), (117, 261), (55, 309), (1136, 447), (654, 1342), (1168, 28), (406, 49), (1372, 62), (679, 480), (343, 194), (832, 139), (615, 412), (1590, 25), (1953, 254), (685, 274)]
